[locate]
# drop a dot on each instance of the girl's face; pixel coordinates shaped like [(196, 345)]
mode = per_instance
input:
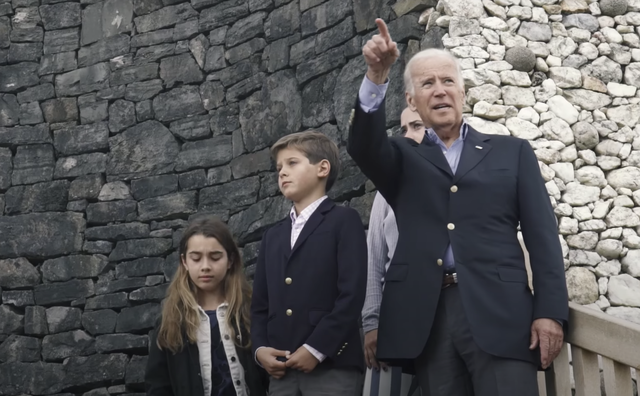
[(207, 263)]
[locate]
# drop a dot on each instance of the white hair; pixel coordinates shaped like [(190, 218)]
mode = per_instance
[(430, 53)]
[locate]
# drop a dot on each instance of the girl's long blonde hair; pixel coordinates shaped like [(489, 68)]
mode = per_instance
[(180, 315)]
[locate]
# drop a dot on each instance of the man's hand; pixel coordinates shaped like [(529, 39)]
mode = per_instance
[(267, 358), (302, 360), (546, 333), (370, 346), (380, 53)]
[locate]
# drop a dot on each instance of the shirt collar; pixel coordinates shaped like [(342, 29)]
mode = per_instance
[(464, 128), (308, 211)]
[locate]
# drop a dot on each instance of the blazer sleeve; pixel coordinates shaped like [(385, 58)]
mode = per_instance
[(540, 233), (260, 300), (157, 378), (378, 252), (329, 334), (372, 150)]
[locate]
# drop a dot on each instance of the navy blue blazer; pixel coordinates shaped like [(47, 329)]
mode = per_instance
[(477, 210), (313, 294)]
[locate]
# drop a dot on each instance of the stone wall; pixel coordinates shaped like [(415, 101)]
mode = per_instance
[(121, 119)]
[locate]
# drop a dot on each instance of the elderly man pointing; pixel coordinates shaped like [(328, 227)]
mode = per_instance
[(456, 300)]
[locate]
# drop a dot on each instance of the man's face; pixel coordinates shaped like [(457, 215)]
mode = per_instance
[(412, 125), (438, 96)]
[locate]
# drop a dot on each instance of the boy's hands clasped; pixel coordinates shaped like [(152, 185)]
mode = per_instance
[(301, 360)]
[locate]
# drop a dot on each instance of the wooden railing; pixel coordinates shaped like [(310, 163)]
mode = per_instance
[(596, 341)]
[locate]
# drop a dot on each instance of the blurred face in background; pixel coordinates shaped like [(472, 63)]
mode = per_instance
[(412, 125)]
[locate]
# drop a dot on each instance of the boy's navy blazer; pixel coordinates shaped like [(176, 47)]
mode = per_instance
[(313, 294)]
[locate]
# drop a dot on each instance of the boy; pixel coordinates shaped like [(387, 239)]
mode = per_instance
[(310, 280)]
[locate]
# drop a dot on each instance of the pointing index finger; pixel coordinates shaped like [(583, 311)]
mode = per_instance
[(384, 31)]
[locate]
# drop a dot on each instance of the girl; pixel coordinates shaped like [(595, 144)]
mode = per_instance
[(202, 346)]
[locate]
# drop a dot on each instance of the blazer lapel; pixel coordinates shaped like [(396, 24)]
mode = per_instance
[(313, 223), (433, 153), (475, 148)]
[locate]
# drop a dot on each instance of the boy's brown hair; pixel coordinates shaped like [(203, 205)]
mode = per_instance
[(316, 147)]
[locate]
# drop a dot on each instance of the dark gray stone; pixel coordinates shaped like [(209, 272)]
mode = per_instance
[(144, 111), (152, 38), (6, 166), (231, 195), (60, 110), (92, 23), (5, 32), (98, 20), (31, 114), (324, 16), (98, 247), (219, 175), (35, 321), (140, 91), (406, 27), (41, 197), (110, 343), (165, 17), (271, 113), (178, 103), (143, 150), (150, 294), (138, 248), (322, 64), (103, 50), (581, 21), (61, 346), (118, 232), (335, 36), (143, 7), (218, 36), (521, 58), (31, 378), (134, 74), (99, 322), (24, 52), (365, 13), (107, 212), (37, 93), (353, 47), (251, 164), (154, 186), (14, 78), (181, 69), (63, 292), (20, 349), (107, 301), (18, 298), (238, 143), (58, 63), (77, 206), (107, 286), (283, 21), (122, 114), (139, 318), (18, 273), (81, 139), (193, 180), (191, 128), (26, 17), (85, 80), (317, 99), (225, 13), (260, 5), (32, 164), (171, 265), (225, 119), (152, 54), (185, 30), (169, 224), (245, 29), (215, 59), (351, 181), (11, 321), (276, 55), (70, 267), (212, 94), (205, 153), (244, 51), (363, 206), (168, 206), (60, 16), (94, 371), (240, 71), (94, 112), (61, 319), (80, 165), (248, 225), (86, 187), (65, 40), (9, 110), (613, 7), (140, 267), (245, 88), (136, 371), (306, 4)]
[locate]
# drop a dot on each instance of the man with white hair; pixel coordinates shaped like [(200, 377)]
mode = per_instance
[(456, 300)]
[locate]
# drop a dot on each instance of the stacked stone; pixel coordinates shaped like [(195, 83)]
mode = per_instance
[(122, 119), (564, 74)]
